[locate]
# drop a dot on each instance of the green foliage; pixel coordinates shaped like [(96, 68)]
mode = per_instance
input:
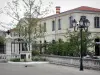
[(35, 52), (2, 39), (38, 58), (72, 45), (15, 59), (56, 48)]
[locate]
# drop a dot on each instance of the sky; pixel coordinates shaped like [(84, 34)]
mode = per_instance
[(64, 4)]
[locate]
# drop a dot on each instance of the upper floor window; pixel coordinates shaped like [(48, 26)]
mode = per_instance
[(96, 22), (70, 21), (53, 25), (44, 27), (59, 24), (83, 17)]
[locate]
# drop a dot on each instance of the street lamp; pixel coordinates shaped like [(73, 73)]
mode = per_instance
[(83, 25)]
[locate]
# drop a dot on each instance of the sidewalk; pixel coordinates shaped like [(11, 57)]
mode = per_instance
[(43, 69)]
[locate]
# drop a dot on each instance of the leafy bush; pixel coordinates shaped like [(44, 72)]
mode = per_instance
[(38, 58), (2, 39), (35, 52), (72, 45), (15, 59)]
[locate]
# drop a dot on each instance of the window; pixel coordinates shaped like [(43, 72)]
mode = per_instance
[(24, 47), (83, 17), (53, 25), (96, 22), (45, 44), (53, 41), (44, 27), (59, 24), (97, 48), (70, 21)]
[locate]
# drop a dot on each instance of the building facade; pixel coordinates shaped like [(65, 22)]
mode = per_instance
[(55, 26)]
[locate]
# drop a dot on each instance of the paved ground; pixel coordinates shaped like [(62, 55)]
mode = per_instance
[(42, 69)]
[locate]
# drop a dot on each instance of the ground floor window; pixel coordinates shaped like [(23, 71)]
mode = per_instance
[(97, 47)]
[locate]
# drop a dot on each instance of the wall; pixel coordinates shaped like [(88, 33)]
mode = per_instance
[(74, 61)]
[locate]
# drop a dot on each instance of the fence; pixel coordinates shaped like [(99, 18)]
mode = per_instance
[(74, 61)]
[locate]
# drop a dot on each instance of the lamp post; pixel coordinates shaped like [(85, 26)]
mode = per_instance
[(83, 25)]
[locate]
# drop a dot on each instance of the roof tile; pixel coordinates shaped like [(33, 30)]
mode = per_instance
[(86, 8)]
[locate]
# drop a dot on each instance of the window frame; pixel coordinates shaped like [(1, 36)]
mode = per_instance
[(45, 27), (59, 24), (70, 22), (53, 25), (96, 22)]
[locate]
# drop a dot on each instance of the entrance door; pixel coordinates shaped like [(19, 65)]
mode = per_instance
[(97, 47)]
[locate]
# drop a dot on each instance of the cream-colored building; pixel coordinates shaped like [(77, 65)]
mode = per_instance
[(56, 25)]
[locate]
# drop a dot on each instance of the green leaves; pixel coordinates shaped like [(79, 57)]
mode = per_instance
[(72, 45), (2, 39)]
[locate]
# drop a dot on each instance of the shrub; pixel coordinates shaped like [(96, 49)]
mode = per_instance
[(2, 39), (35, 52), (15, 59), (38, 58)]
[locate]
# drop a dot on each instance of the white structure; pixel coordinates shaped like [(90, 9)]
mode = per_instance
[(15, 48), (57, 25)]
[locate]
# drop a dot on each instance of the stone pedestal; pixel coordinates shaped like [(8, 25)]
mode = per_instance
[(26, 55)]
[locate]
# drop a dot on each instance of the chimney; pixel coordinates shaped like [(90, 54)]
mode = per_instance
[(57, 9)]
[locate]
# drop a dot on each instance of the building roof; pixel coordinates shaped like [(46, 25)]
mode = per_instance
[(86, 8), (82, 8)]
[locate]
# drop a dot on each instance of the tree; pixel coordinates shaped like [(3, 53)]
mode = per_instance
[(2, 40), (27, 13), (74, 43)]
